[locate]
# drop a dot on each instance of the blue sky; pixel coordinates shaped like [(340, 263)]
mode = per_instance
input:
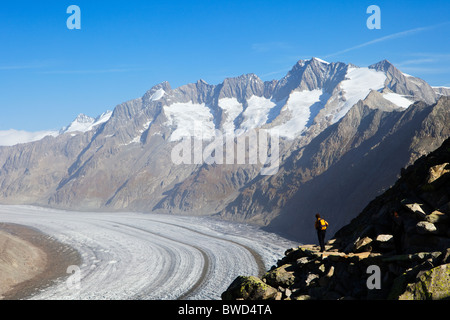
[(49, 74)]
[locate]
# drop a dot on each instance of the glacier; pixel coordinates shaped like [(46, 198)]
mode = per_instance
[(150, 256)]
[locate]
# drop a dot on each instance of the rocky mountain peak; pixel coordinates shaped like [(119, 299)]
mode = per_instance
[(410, 86), (81, 123), (318, 60), (383, 65), (242, 87), (160, 88), (82, 118)]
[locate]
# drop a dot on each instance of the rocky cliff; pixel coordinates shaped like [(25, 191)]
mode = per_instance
[(369, 258)]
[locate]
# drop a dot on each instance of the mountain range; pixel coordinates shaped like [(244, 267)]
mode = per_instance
[(343, 134)]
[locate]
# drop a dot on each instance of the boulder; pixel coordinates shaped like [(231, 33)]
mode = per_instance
[(325, 280), (384, 237), (416, 209), (311, 279), (433, 284), (303, 297), (294, 254), (362, 244), (437, 217), (282, 276), (444, 258), (249, 288), (303, 261), (438, 171), (425, 227)]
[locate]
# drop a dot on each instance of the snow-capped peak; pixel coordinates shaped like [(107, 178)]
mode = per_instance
[(82, 118), (157, 95), (84, 123), (320, 60)]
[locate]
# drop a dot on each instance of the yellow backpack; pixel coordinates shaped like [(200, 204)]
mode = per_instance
[(322, 224)]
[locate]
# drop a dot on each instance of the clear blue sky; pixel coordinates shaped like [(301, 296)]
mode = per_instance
[(49, 74)]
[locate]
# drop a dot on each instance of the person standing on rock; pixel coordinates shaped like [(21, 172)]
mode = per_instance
[(321, 227)]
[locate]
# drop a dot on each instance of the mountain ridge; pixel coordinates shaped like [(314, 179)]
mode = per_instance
[(125, 162)]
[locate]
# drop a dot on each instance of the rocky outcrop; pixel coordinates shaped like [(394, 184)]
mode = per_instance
[(370, 258), (305, 273), (250, 288), (432, 284)]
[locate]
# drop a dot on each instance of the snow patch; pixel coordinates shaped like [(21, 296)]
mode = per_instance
[(299, 105), (137, 139), (440, 87), (157, 95), (398, 99), (190, 120), (84, 123), (232, 109), (257, 112), (357, 85), (320, 60)]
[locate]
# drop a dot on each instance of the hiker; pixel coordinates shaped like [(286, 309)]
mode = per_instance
[(397, 232), (321, 227)]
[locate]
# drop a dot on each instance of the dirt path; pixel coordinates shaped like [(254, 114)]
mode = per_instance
[(30, 260)]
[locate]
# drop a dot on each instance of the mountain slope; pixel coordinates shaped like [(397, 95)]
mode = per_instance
[(350, 167), (376, 255), (124, 160)]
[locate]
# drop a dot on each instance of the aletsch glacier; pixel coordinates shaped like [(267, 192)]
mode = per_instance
[(145, 256)]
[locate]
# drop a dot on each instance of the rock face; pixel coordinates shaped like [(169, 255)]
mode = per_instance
[(370, 258), (334, 120), (432, 284), (250, 288)]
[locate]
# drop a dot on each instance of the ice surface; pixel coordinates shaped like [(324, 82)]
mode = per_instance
[(191, 120), (232, 109), (157, 95), (149, 256), (257, 112), (85, 123), (357, 85), (320, 60), (299, 105), (85, 126), (137, 139), (398, 99)]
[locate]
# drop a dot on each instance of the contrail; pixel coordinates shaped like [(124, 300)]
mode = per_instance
[(388, 37)]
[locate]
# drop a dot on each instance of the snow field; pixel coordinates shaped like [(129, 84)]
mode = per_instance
[(299, 105), (189, 118), (357, 86), (398, 99)]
